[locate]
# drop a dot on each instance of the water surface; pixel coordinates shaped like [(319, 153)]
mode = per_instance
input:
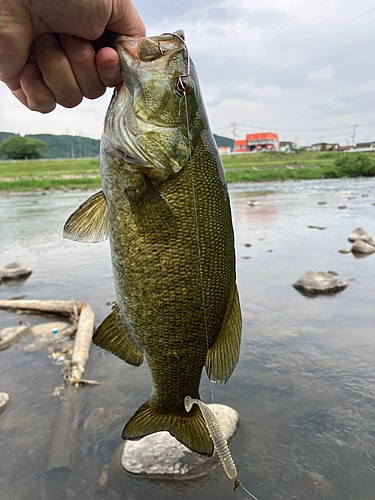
[(304, 386)]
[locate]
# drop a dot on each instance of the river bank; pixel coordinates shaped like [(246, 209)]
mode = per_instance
[(85, 173)]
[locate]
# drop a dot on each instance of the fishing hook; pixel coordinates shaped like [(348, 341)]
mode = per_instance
[(182, 83)]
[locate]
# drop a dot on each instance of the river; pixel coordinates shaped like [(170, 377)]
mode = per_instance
[(304, 386)]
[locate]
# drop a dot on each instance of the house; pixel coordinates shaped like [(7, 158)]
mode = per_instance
[(344, 148), (365, 145), (286, 146), (324, 146), (258, 142)]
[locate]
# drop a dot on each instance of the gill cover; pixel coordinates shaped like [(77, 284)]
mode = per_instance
[(147, 119)]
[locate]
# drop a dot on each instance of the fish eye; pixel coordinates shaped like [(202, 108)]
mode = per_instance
[(181, 86)]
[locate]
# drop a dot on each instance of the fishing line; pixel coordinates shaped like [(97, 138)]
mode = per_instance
[(184, 97)]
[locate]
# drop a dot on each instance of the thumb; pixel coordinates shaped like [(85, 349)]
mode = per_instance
[(125, 20)]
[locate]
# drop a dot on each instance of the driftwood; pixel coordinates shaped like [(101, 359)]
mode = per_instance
[(64, 435), (82, 342), (11, 335), (64, 307)]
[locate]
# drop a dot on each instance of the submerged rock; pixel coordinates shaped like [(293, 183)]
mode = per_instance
[(160, 454), (360, 246), (12, 335), (359, 234), (342, 206), (14, 271), (254, 203), (319, 282), (345, 250), (4, 401)]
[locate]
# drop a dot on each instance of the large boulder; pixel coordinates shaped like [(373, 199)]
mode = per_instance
[(319, 282), (162, 455), (14, 271), (359, 234), (361, 246)]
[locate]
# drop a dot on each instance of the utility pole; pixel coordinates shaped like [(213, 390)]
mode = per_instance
[(234, 135), (354, 127)]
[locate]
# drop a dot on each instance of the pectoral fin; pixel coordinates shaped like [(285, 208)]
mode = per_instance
[(112, 337), (152, 213), (90, 222), (223, 356)]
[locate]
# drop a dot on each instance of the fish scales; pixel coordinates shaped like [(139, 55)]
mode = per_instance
[(171, 239)]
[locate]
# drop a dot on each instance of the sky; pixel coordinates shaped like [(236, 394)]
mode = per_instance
[(300, 68)]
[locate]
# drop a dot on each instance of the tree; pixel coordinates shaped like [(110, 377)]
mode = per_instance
[(16, 147)]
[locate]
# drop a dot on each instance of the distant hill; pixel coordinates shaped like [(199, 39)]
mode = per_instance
[(74, 146)]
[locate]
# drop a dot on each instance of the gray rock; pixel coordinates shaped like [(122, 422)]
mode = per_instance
[(360, 246), (12, 335), (160, 454), (317, 227), (359, 234), (4, 401), (345, 250), (342, 206), (254, 203), (14, 271), (319, 282)]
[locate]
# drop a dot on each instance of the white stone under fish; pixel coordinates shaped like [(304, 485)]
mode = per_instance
[(160, 454)]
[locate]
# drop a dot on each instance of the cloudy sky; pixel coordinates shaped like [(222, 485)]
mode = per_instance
[(301, 68)]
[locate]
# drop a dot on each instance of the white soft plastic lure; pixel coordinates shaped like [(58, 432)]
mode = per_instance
[(217, 436), (220, 443)]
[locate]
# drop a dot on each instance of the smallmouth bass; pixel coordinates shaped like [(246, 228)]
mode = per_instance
[(165, 207)]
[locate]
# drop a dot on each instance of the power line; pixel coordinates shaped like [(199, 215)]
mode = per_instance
[(347, 127)]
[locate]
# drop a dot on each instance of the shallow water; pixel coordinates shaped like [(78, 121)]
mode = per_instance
[(304, 386)]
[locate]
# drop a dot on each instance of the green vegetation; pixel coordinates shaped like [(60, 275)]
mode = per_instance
[(49, 168), (45, 184), (17, 148), (48, 174), (276, 158), (355, 164)]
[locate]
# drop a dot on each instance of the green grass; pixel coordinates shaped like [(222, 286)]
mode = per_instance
[(239, 168), (49, 168), (276, 158), (33, 184)]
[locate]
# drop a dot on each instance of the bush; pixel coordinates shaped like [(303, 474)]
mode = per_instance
[(356, 164)]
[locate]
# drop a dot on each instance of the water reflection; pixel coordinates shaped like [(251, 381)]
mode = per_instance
[(304, 387)]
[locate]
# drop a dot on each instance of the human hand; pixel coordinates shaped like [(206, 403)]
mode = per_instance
[(46, 54)]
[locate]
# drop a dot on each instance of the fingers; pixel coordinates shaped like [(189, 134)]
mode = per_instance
[(33, 91), (64, 73), (57, 71), (108, 66), (81, 56)]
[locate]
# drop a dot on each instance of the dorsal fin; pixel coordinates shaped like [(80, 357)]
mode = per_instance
[(112, 337), (90, 222)]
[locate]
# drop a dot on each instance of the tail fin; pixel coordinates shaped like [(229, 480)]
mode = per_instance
[(188, 428)]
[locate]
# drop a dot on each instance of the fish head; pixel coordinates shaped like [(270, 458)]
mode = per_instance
[(150, 118)]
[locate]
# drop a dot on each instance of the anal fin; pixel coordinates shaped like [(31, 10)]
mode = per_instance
[(112, 337), (189, 429), (223, 356), (90, 222)]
